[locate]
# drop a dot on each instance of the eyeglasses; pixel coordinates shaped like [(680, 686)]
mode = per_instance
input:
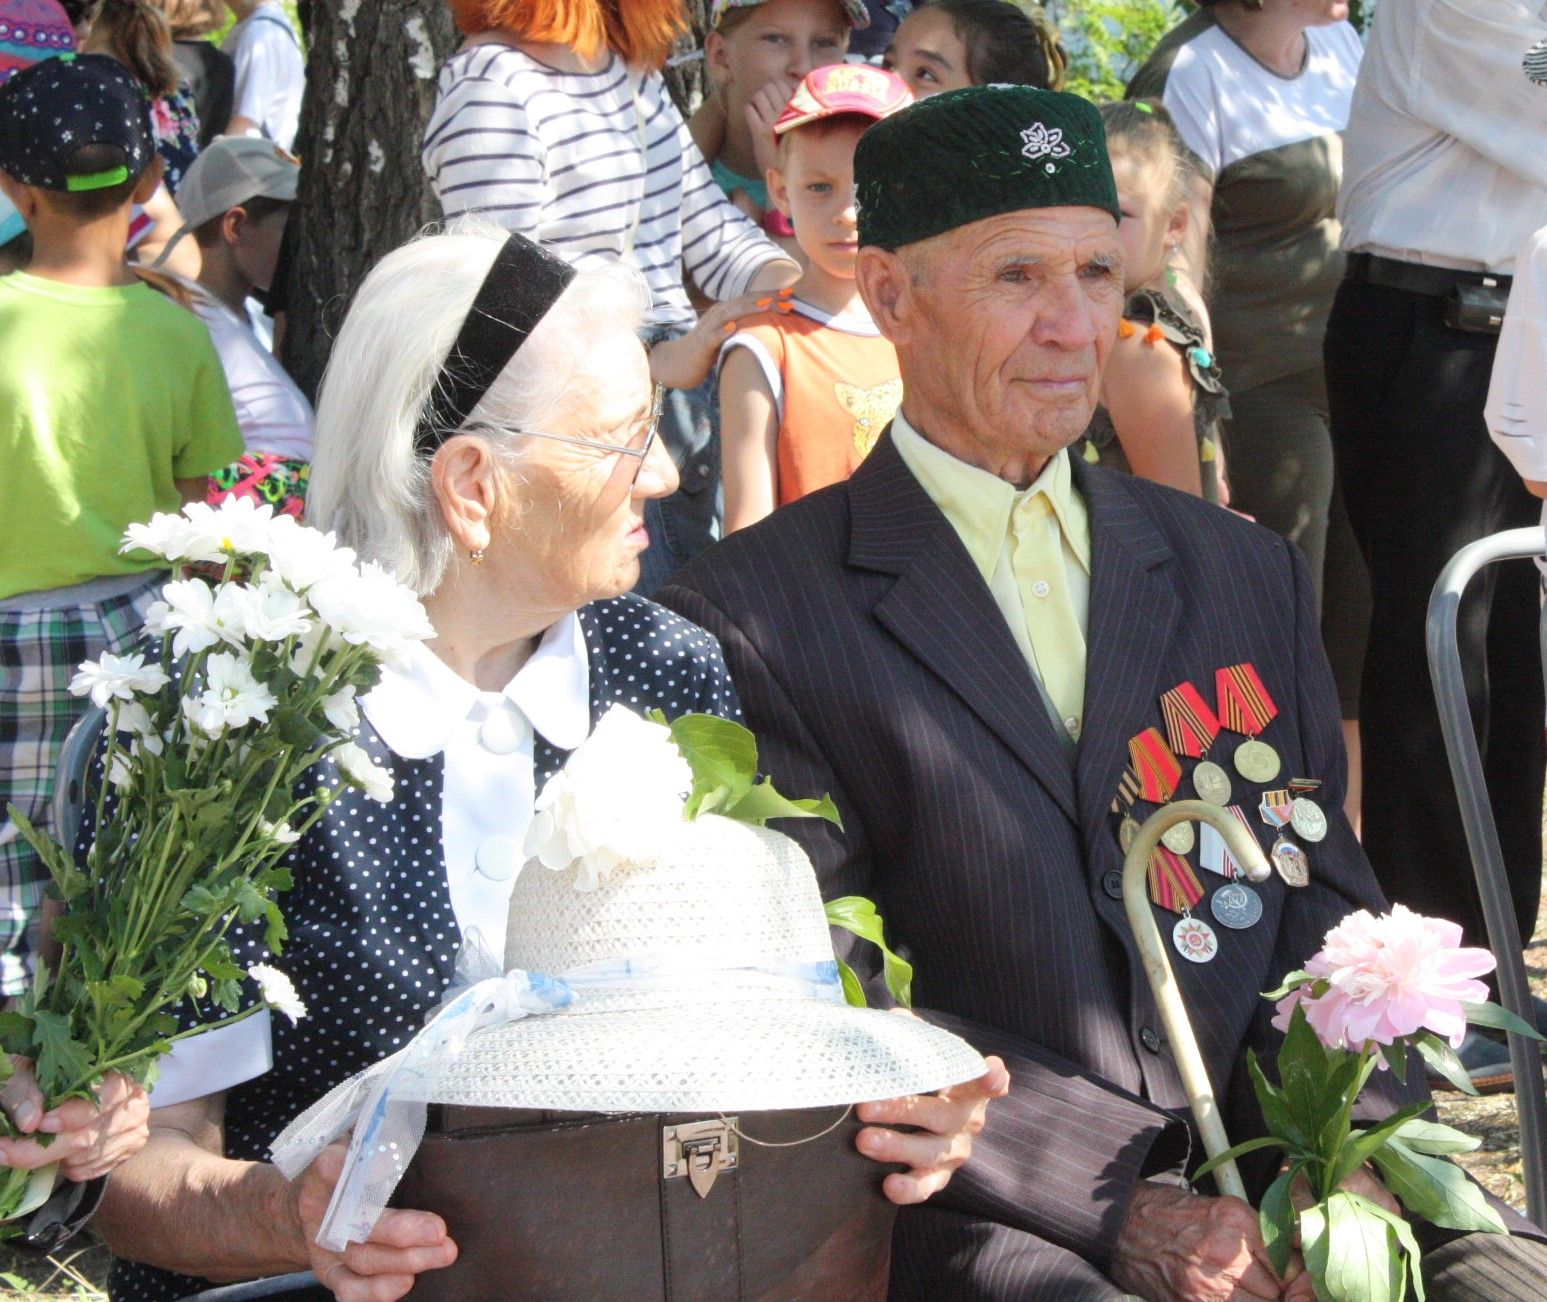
[(640, 453)]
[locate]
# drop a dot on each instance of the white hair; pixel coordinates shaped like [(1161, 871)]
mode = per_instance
[(368, 484)]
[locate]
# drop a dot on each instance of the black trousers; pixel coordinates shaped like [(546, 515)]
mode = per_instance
[(1421, 479)]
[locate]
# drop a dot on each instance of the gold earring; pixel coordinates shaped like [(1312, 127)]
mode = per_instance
[(475, 554)]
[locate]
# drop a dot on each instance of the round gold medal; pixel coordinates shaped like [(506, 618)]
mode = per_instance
[(1256, 761), (1126, 831), (1179, 838), (1211, 783)]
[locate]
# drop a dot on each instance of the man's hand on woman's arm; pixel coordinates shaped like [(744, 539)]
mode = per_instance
[(183, 1206)]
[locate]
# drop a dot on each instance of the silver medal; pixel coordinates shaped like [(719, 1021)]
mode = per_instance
[(1194, 939), (1308, 820), (1291, 862), (1211, 783), (1236, 906)]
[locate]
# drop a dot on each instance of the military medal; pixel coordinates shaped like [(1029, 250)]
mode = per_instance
[(1179, 837), (1304, 786), (1211, 783), (1245, 706), (1175, 887), (1158, 770), (1212, 853), (1194, 939), (1126, 831), (1236, 905), (1276, 808), (1307, 819), (1127, 792), (1291, 862)]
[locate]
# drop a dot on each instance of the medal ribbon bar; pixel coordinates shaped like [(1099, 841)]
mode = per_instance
[(1173, 884), (1244, 703), (1157, 768), (1190, 725)]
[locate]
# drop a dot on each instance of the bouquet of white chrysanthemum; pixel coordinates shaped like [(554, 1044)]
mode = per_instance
[(259, 669)]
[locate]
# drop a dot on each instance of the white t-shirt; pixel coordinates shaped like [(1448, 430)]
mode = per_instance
[(273, 414), (270, 72)]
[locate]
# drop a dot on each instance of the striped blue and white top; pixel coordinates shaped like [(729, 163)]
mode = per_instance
[(599, 166)]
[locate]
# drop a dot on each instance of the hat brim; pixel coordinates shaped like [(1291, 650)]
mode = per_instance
[(719, 1053)]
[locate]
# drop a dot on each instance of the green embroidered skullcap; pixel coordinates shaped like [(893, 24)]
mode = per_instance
[(967, 154)]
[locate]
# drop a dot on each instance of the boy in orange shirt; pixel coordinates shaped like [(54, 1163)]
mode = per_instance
[(804, 394)]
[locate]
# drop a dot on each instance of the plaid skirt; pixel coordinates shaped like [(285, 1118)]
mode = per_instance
[(40, 651)]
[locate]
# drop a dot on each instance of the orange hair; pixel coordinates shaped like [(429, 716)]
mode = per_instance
[(640, 32)]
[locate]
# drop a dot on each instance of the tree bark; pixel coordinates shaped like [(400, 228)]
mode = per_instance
[(370, 86)]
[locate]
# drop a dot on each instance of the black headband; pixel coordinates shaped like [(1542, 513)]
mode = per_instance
[(522, 285)]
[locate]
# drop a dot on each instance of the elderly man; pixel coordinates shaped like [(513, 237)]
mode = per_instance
[(993, 656)]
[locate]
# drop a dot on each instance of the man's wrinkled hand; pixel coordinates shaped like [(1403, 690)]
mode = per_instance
[(1177, 1245), (382, 1269), (89, 1138)]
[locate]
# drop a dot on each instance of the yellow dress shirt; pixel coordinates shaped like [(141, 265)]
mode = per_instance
[(1032, 547)]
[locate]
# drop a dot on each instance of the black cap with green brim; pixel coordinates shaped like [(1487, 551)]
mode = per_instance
[(52, 110), (956, 158)]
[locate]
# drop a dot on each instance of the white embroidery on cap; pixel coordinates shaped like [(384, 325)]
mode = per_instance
[(1038, 141)]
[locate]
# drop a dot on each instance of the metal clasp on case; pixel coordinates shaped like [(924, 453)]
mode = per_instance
[(699, 1150)]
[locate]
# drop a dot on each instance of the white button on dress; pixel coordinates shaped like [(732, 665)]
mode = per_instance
[(499, 858), (501, 733)]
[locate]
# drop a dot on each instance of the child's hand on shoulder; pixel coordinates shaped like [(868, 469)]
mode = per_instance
[(685, 363)]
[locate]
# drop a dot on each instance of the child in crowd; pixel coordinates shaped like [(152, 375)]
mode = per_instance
[(805, 394), (757, 50), (955, 43), (270, 72), (112, 407), (1161, 392)]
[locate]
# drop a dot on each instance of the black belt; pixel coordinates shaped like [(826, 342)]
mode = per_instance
[(1434, 282)]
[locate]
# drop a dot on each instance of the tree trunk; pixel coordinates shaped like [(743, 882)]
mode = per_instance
[(370, 86)]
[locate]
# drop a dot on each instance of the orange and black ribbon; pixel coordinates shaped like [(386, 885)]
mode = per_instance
[(1157, 768), (1244, 703), (1127, 792), (1190, 725), (1173, 884), (1234, 870)]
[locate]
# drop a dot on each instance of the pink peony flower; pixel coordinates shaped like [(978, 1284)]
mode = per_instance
[(1389, 977)]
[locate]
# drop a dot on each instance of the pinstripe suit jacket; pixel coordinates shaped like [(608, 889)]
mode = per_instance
[(873, 663)]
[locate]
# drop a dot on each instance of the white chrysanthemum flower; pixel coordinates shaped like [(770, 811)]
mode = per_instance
[(271, 612), (302, 557), (313, 650), (371, 608), (175, 538), (232, 698), (187, 611), (116, 678), (616, 802), (239, 525), (341, 710), (360, 770), (278, 991), (279, 833), (119, 770)]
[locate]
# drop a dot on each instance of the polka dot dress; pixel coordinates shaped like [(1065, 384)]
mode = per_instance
[(373, 939)]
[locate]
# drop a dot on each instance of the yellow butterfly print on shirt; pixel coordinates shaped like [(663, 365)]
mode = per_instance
[(871, 409)]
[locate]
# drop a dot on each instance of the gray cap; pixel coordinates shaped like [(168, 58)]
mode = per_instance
[(231, 171)]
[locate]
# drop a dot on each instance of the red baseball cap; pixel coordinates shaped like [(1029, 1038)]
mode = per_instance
[(844, 88)]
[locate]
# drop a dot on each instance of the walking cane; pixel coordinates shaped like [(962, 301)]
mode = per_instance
[(1245, 851)]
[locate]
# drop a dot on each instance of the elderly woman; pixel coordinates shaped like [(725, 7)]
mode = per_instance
[(487, 429)]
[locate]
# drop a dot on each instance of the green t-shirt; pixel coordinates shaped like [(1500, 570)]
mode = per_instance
[(107, 395)]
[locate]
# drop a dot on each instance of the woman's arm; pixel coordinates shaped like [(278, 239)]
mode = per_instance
[(183, 1206), (749, 440), (1148, 394)]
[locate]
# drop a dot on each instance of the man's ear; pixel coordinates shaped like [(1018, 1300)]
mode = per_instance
[(233, 222), (150, 178), (465, 476), (886, 286)]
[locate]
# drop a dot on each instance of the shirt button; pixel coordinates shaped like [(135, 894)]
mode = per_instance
[(1041, 588), (1150, 1039), (1072, 725), (1112, 883), (499, 858), (498, 734)]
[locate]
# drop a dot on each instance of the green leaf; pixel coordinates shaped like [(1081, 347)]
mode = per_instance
[(1435, 1189), (761, 802), (1395, 1056), (61, 1060), (1499, 1019), (856, 914), (1435, 1139), (1303, 1072), (1275, 1110), (853, 990), (1238, 1150), (722, 755), (1277, 1217), (1358, 1257), (1408, 1241), (1291, 981), (1361, 1144), (1442, 1058), (202, 902)]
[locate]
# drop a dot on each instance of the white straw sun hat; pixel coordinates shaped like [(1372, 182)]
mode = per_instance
[(693, 974)]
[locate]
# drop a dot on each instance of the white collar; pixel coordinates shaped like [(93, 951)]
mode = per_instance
[(417, 705)]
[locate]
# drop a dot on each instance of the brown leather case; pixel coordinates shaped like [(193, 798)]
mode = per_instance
[(574, 1207)]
